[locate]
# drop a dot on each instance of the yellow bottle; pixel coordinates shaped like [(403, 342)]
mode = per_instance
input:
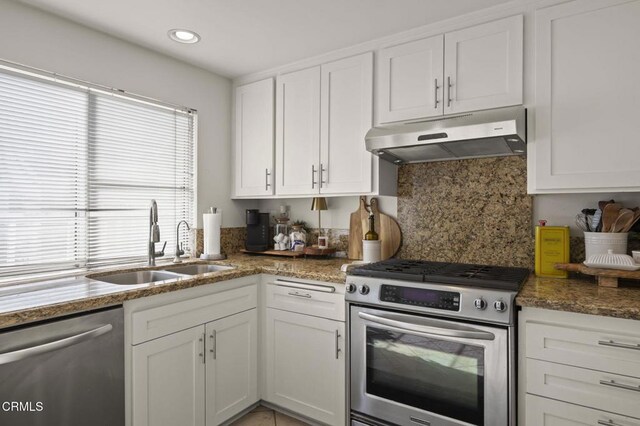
[(552, 246)]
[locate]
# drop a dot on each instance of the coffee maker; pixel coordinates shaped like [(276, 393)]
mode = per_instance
[(257, 231)]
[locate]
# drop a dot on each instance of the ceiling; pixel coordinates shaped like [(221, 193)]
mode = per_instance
[(240, 37)]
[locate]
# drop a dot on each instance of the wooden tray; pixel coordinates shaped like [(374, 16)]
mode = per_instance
[(606, 277), (281, 253), (317, 251)]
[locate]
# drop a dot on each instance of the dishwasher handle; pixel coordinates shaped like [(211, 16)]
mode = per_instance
[(20, 354)]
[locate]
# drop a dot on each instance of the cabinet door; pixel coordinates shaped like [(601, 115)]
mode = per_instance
[(168, 380), (232, 365), (305, 365), (298, 132), (548, 412), (587, 86), (346, 117), (410, 80), (483, 66), (254, 138)]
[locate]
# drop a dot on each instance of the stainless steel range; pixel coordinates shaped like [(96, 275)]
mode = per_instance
[(432, 343)]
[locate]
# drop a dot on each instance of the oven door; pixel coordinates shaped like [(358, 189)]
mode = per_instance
[(409, 369)]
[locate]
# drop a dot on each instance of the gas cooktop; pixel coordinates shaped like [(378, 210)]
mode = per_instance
[(484, 276)]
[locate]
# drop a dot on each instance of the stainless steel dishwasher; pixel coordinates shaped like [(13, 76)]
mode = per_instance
[(68, 371)]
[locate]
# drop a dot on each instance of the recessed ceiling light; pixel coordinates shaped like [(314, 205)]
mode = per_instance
[(183, 36)]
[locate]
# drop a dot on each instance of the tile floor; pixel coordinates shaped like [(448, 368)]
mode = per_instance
[(263, 416)]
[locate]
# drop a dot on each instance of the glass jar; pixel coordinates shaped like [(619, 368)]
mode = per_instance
[(281, 234), (297, 238)]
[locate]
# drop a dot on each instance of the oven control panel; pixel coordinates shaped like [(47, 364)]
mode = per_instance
[(423, 297)]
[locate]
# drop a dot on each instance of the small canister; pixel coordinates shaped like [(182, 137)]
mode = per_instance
[(371, 250)]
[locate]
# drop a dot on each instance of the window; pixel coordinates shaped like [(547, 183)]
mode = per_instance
[(79, 166)]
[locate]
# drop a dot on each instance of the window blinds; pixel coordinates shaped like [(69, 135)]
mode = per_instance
[(78, 168)]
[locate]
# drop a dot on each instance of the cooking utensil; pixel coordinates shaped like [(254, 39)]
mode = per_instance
[(624, 219), (636, 217), (596, 223), (609, 215), (581, 222), (388, 231)]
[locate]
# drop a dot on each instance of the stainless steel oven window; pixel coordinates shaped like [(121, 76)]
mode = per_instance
[(435, 375)]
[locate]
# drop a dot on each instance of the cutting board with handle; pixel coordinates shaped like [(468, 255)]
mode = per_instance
[(388, 231), (357, 229), (387, 228)]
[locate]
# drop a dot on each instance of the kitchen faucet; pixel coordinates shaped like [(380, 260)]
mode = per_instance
[(154, 234), (179, 251)]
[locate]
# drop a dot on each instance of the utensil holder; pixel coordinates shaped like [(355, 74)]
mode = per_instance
[(602, 242)]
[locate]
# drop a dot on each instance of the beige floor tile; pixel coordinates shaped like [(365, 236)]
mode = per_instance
[(256, 418), (284, 420)]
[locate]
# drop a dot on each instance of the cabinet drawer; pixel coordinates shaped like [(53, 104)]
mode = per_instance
[(598, 346), (162, 320), (309, 299), (548, 412), (599, 390)]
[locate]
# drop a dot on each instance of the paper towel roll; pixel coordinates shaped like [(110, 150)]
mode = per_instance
[(211, 223)]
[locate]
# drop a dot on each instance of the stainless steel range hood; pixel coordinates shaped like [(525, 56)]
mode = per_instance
[(490, 133)]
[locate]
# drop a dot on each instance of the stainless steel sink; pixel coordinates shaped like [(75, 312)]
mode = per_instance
[(198, 269), (139, 277)]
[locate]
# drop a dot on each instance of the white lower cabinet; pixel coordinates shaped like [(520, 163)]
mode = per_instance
[(549, 412), (577, 369), (306, 365), (169, 380), (232, 366), (200, 376)]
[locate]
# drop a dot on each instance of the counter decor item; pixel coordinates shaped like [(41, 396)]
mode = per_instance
[(211, 223), (388, 231), (281, 230), (297, 237), (319, 204), (601, 242), (605, 277), (552, 246), (371, 250), (612, 260)]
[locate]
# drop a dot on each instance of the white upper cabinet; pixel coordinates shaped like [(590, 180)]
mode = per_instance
[(475, 68), (346, 117), (298, 132), (587, 98), (410, 80), (254, 135), (322, 116), (483, 66)]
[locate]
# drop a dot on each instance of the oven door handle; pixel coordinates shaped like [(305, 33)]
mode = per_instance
[(424, 327)]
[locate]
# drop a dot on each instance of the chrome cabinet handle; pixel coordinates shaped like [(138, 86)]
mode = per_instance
[(322, 171), (202, 350), (608, 423), (304, 286), (618, 345), (21, 354), (338, 350), (436, 87), (313, 176), (295, 293), (613, 384), (266, 179), (449, 91), (425, 327), (214, 343)]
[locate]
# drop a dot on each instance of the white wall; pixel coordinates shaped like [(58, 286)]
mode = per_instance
[(338, 213), (38, 39)]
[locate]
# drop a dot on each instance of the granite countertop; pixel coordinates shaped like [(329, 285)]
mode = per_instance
[(582, 295), (26, 303)]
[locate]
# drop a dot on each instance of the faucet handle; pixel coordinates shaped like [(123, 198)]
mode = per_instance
[(161, 252)]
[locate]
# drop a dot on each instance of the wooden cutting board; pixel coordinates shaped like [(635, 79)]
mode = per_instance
[(388, 231), (356, 229), (606, 277), (387, 228)]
